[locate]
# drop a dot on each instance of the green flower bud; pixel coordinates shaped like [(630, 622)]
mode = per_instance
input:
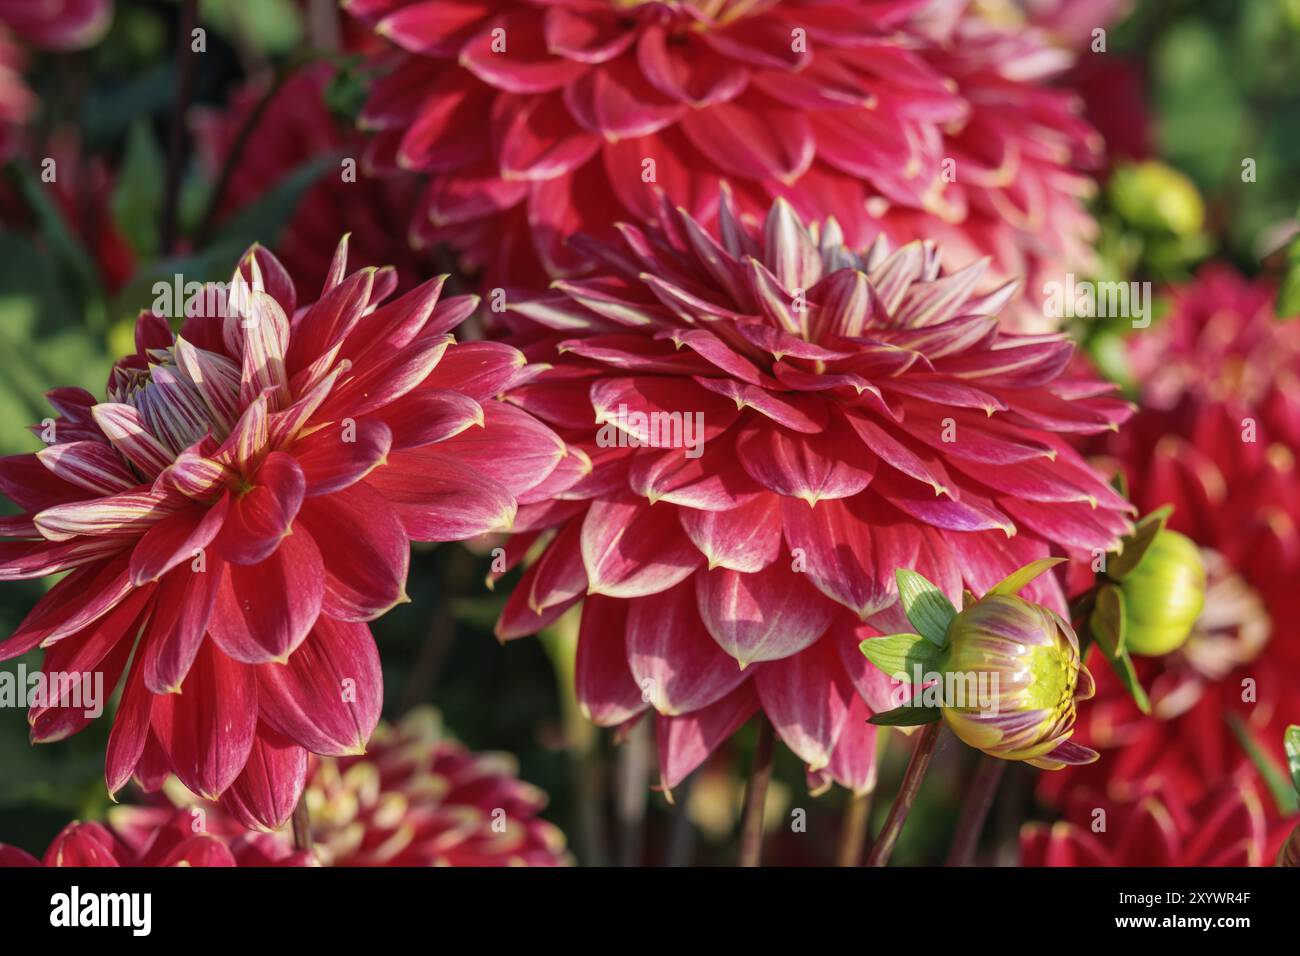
[(1154, 197), (1018, 666), (1163, 595)]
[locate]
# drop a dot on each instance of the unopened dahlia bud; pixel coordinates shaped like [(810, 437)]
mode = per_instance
[(1004, 672), (1163, 595), (1024, 661)]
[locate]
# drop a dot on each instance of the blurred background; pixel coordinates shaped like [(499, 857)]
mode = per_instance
[(1185, 90)]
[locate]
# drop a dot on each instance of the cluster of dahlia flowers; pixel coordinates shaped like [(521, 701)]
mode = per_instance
[(903, 119), (1217, 437)]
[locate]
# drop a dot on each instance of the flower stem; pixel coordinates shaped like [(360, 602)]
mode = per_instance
[(916, 768), (975, 810), (302, 825), (760, 772), (853, 829), (185, 62)]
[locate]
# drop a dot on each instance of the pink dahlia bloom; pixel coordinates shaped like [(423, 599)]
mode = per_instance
[(417, 798), (1217, 437), (58, 24), (1230, 826), (843, 415), (240, 507), (537, 120), (167, 838), (296, 128)]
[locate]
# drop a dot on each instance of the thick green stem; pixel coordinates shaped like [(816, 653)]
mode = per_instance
[(760, 773), (911, 785), (975, 810)]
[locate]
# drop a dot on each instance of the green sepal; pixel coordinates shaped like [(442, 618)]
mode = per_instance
[(926, 607), (1013, 582), (1107, 627), (906, 716), (1134, 546), (896, 656)]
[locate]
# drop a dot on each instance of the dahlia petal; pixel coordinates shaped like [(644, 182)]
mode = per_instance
[(248, 439), (683, 71), (327, 696), (82, 844), (615, 101), (364, 549), (433, 28), (746, 538), (813, 467), (512, 448), (81, 598), (21, 560), (606, 690), (686, 741), (186, 599), (481, 370), (585, 36), (125, 429), (788, 410), (671, 475), (967, 512), (264, 611), (88, 464), (265, 339), (850, 551), (870, 683), (207, 729), (130, 730), (33, 487), (808, 723), (267, 791), (629, 551), (753, 138), (195, 476), (765, 616), (216, 378), (327, 322), (894, 452), (383, 382), (440, 498), (336, 457), (176, 538), (261, 517), (677, 666), (536, 139), (128, 513), (558, 577), (523, 66)]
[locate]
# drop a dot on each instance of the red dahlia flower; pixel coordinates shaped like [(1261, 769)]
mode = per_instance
[(58, 24), (168, 838), (417, 798), (294, 129), (1230, 826), (844, 415), (243, 503), (896, 117), (1217, 437)]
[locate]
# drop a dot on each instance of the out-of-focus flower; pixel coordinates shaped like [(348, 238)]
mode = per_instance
[(918, 121), (243, 503), (1163, 595), (58, 24), (164, 838), (781, 423), (1216, 437), (295, 128), (1030, 655), (417, 798), (16, 100), (1156, 826)]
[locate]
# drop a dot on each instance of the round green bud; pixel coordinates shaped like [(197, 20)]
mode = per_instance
[(1153, 197), (1163, 595)]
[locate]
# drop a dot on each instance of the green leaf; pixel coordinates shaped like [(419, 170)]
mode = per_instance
[(1292, 743), (925, 605), (1134, 546), (1107, 627), (1013, 582), (1272, 774), (138, 196), (906, 716), (899, 654)]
